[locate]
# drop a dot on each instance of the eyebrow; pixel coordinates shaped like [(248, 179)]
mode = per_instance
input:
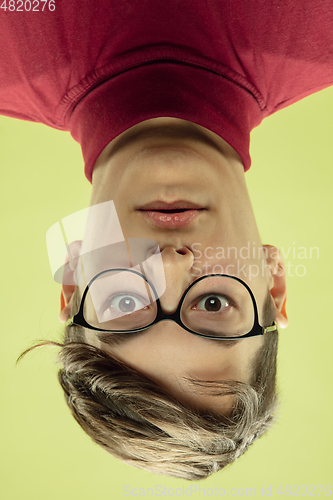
[(215, 339), (113, 339), (217, 387)]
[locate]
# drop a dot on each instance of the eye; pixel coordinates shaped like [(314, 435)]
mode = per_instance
[(125, 303), (213, 303)]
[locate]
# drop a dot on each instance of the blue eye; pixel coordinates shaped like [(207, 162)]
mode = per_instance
[(213, 303)]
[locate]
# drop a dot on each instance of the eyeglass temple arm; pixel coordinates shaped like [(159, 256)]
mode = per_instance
[(270, 328)]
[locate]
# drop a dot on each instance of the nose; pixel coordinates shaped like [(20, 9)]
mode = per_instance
[(177, 256), (177, 263)]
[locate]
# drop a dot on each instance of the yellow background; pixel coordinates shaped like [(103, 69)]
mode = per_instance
[(44, 453)]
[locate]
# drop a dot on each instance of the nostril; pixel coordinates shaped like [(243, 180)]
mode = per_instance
[(171, 249), (182, 251)]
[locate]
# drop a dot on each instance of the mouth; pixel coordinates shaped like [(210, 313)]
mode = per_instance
[(171, 215), (176, 205)]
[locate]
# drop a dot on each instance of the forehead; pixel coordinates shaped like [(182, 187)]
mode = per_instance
[(180, 362)]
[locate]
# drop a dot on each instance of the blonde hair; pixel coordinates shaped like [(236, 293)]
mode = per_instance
[(138, 422)]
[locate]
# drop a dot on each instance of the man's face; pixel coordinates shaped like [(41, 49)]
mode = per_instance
[(175, 162)]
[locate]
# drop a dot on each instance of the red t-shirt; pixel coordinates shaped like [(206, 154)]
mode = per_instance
[(97, 68)]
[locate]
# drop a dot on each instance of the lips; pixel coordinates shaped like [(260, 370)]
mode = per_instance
[(171, 215), (176, 205)]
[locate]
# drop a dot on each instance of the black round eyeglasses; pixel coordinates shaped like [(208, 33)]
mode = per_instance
[(214, 306)]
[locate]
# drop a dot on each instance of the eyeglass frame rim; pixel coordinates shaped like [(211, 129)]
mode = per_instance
[(175, 316)]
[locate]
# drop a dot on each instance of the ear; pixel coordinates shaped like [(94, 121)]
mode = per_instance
[(277, 283), (68, 286), (66, 299)]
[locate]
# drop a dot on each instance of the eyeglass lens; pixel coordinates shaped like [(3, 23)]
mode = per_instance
[(217, 306)]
